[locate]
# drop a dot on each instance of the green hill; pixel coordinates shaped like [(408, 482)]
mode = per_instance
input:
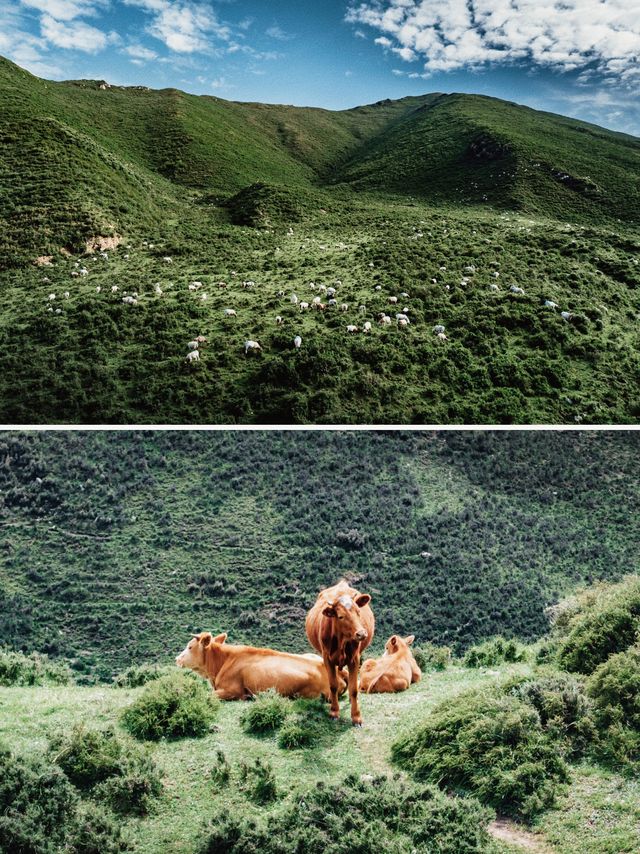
[(116, 546), (450, 199)]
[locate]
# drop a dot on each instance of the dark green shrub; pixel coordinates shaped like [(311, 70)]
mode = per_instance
[(297, 732), (488, 744), (172, 707), (493, 652), (37, 805), (428, 656), (595, 636), (564, 709), (16, 668), (266, 713), (109, 766), (139, 675), (221, 771), (615, 690), (365, 815), (258, 781), (96, 832)]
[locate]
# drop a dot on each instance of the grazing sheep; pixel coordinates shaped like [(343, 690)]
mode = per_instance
[(294, 299), (362, 309), (566, 315), (201, 339), (230, 312), (393, 300), (193, 356), (52, 296), (378, 288), (166, 259), (493, 287), (344, 307), (316, 300), (441, 336), (403, 322), (66, 294), (438, 328), (333, 302), (516, 290), (548, 303), (98, 289), (130, 300), (331, 292), (75, 273), (193, 345), (157, 290), (278, 320), (404, 295), (402, 316), (251, 345), (297, 342), (352, 328), (385, 320), (114, 289), (303, 306), (367, 326)]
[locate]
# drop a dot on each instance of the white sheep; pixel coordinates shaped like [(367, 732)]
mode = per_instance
[(297, 342), (441, 336), (193, 345), (548, 303), (403, 322), (566, 315), (352, 328), (344, 307), (230, 312), (393, 300), (251, 345), (303, 306), (438, 328), (279, 320), (193, 356), (294, 299), (367, 326)]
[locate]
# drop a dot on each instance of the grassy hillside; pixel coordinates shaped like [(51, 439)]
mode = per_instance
[(444, 198), (116, 546)]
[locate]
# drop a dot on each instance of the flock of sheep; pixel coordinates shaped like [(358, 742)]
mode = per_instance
[(325, 298)]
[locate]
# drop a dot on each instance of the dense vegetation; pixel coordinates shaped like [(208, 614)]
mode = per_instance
[(117, 546), (439, 197)]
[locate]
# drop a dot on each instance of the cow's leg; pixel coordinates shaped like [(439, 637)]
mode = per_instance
[(334, 712), (356, 717)]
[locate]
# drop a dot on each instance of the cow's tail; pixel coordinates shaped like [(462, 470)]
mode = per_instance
[(375, 681)]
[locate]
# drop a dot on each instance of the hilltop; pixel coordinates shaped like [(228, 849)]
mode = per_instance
[(116, 546), (451, 199)]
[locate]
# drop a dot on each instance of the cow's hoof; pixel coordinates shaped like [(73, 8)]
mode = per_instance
[(334, 720), (357, 723)]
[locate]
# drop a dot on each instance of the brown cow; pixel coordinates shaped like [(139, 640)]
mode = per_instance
[(340, 625), (394, 671), (240, 672)]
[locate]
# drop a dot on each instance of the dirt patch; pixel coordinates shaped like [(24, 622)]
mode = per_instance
[(43, 261), (102, 244), (508, 831)]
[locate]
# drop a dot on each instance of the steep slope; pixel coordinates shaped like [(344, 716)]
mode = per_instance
[(116, 545), (466, 149)]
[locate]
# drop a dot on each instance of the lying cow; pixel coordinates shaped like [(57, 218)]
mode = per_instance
[(339, 626), (240, 672), (395, 671)]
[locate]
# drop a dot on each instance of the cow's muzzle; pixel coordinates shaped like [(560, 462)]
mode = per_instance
[(361, 634)]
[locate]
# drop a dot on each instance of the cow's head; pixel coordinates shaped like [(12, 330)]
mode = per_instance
[(396, 643), (194, 655), (345, 611)]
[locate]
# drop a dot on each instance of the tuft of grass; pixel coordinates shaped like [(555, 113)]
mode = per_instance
[(175, 706), (266, 713)]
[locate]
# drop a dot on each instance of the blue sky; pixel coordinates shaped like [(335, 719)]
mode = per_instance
[(576, 57)]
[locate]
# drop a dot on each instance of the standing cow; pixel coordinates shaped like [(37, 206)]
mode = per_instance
[(340, 626)]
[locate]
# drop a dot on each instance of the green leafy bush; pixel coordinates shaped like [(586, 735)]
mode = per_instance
[(564, 709), (597, 635), (95, 832), (491, 745), (494, 651), (297, 732), (364, 815), (615, 690), (37, 805), (220, 773), (258, 781), (266, 713), (109, 766), (428, 656), (16, 668), (138, 675), (597, 624), (172, 707)]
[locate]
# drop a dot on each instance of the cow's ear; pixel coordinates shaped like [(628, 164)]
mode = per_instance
[(393, 640), (220, 638), (363, 600), (329, 611), (205, 638), (409, 639)]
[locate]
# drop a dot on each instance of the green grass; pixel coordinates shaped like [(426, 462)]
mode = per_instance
[(378, 196), (598, 813)]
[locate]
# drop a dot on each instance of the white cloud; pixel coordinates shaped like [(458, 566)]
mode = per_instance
[(74, 34), (276, 32), (139, 53), (563, 34), (184, 26), (65, 10), (219, 83)]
